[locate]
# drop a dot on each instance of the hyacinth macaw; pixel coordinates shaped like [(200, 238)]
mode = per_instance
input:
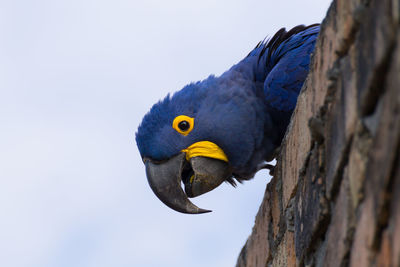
[(227, 127)]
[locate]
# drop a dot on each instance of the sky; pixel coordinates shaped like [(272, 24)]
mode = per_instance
[(76, 78)]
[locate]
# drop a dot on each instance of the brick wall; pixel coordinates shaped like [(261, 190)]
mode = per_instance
[(335, 196)]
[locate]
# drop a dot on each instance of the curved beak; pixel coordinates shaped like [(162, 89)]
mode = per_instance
[(199, 175)]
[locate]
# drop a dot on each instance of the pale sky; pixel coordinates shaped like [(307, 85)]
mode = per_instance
[(76, 78)]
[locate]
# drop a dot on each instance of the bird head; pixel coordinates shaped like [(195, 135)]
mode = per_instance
[(199, 137)]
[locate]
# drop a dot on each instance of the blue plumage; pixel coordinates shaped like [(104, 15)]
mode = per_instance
[(245, 111)]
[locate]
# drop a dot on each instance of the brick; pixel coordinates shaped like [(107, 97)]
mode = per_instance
[(357, 165), (335, 140), (311, 210), (341, 226), (285, 254), (384, 258), (394, 221), (361, 251), (276, 211)]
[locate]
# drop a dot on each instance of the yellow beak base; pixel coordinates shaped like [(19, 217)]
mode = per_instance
[(205, 149)]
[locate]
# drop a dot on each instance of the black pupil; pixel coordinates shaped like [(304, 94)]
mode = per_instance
[(184, 125)]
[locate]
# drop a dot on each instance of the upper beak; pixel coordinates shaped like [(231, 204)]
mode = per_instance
[(199, 175)]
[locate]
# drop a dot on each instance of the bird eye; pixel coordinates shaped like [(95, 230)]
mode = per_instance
[(183, 124)]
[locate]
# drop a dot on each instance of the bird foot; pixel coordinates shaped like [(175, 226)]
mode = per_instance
[(268, 166)]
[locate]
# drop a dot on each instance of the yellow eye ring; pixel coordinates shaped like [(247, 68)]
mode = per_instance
[(183, 124)]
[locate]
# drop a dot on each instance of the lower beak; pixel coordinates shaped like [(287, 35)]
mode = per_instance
[(208, 174), (199, 175)]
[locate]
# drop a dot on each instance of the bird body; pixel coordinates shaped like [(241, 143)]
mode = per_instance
[(242, 114)]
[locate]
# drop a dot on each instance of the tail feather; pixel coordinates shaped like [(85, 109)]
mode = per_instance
[(270, 51)]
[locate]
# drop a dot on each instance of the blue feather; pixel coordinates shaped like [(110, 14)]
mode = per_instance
[(245, 111)]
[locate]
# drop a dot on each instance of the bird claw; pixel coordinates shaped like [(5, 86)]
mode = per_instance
[(268, 166)]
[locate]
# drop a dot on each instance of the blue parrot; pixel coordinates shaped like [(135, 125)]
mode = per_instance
[(225, 128)]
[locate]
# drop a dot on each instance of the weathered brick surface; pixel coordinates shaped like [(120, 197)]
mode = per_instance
[(335, 196), (341, 227), (311, 206)]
